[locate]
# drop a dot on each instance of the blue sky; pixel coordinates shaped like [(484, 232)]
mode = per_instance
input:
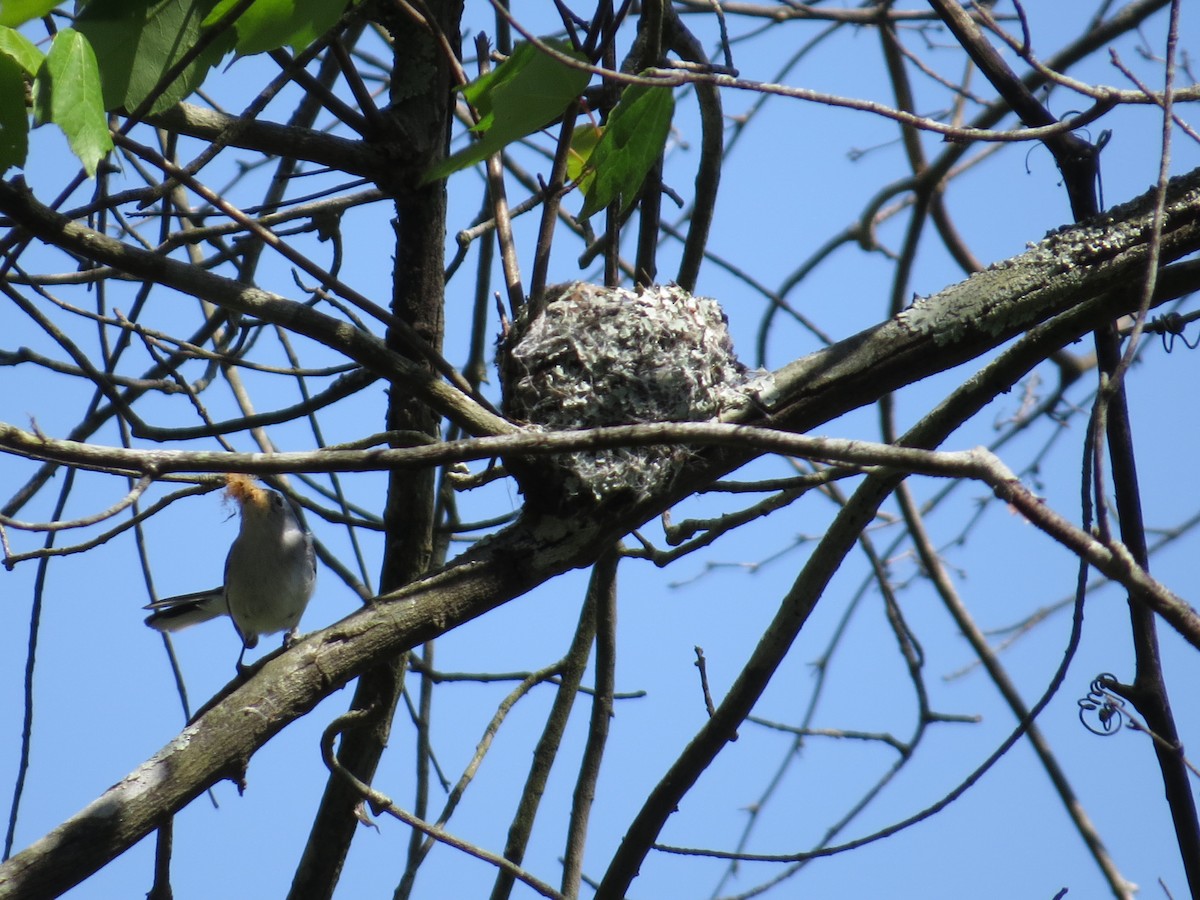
[(105, 700)]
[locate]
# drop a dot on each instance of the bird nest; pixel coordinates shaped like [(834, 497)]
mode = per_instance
[(589, 356)]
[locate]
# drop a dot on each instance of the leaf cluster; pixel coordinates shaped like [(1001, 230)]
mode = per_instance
[(135, 56), (532, 88)]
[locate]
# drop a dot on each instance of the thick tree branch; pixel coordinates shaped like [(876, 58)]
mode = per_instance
[(1102, 257), (410, 513), (340, 154)]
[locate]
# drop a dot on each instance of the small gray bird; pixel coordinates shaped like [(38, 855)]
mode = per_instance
[(270, 573)]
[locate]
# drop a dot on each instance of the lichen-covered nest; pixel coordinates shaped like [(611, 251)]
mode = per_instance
[(588, 356)]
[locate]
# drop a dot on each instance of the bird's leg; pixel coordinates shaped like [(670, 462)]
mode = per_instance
[(242, 669)]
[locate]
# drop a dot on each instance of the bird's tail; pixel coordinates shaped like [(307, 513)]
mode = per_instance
[(175, 613)]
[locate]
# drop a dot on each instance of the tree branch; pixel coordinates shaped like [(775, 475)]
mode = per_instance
[(341, 336), (340, 154)]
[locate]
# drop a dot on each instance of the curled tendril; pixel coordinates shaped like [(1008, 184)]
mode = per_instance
[(1170, 327), (1108, 707)]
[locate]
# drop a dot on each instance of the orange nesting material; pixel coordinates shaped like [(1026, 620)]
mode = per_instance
[(245, 489)]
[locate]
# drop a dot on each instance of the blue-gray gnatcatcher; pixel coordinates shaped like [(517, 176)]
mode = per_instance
[(269, 573)]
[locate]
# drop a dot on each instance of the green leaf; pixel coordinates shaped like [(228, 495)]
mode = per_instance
[(138, 41), (271, 24), (66, 92), (633, 139), (18, 12), (480, 93), (524, 93), (583, 144), (21, 49), (14, 117)]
